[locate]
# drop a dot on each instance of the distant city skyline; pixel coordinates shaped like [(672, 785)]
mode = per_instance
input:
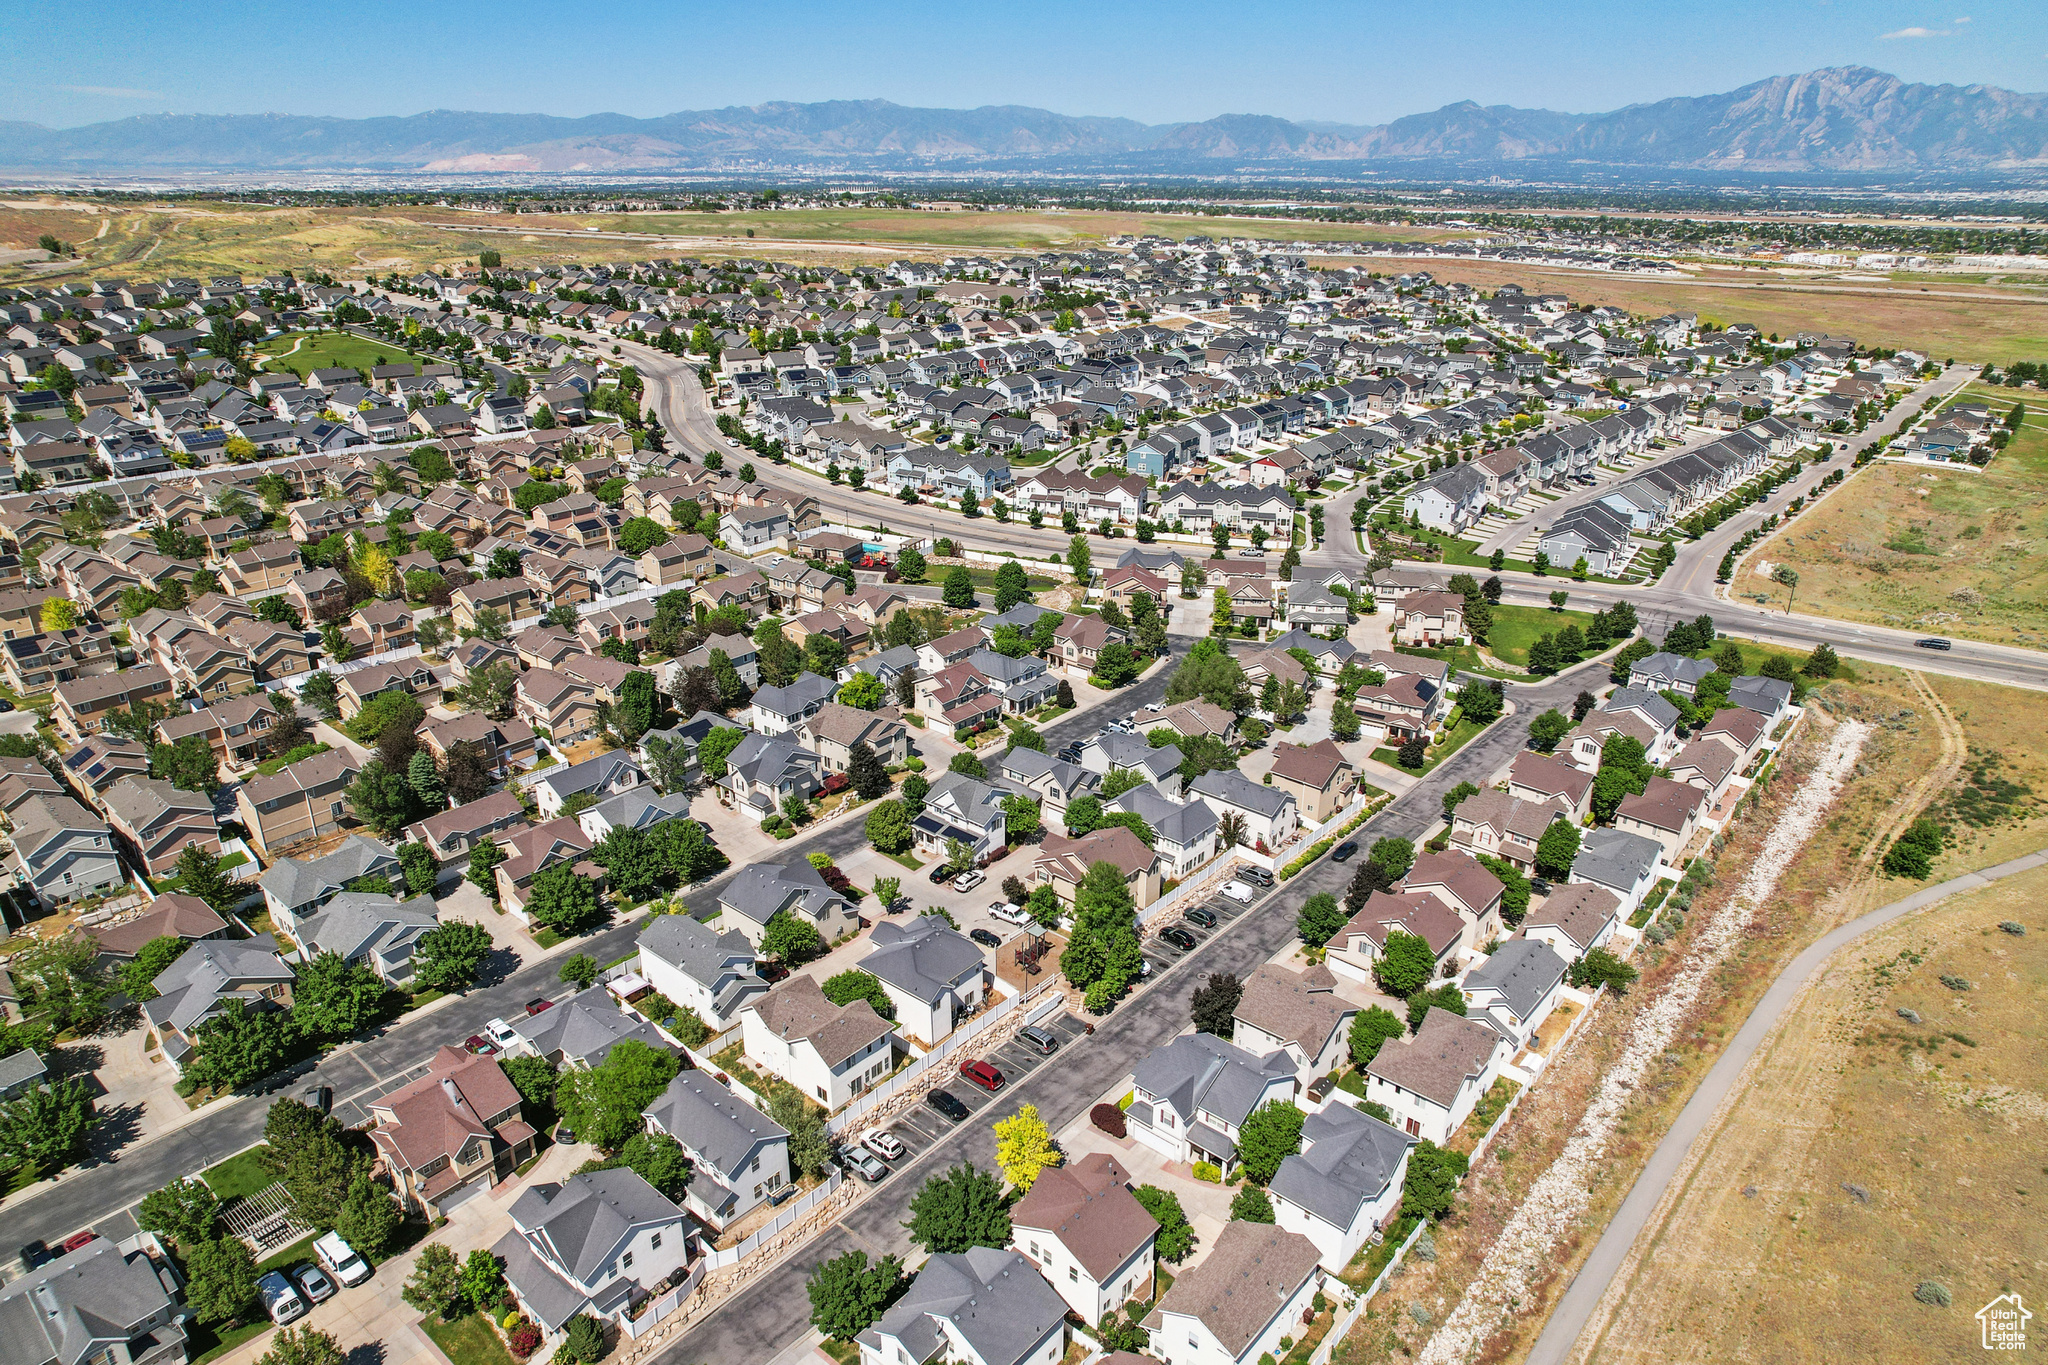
[(1315, 61)]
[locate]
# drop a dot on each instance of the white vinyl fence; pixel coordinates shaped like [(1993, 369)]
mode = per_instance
[(782, 1222), (918, 1072)]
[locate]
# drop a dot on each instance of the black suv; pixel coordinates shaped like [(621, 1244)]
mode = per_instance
[(1201, 915), (946, 1103)]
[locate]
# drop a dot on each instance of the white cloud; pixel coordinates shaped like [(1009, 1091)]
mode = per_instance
[(1964, 20), (1915, 33), (112, 92)]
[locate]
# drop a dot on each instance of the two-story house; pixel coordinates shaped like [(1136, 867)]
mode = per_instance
[(738, 1155), (300, 801), (210, 977), (458, 1126), (1344, 1184), (1088, 1235), (62, 851), (1430, 1082), (1252, 1289), (979, 1307), (700, 969), (831, 1053), (761, 891), (1298, 1013), (595, 1243), (1192, 1096), (932, 973)]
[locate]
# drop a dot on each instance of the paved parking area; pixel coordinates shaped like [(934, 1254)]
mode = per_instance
[(920, 1126), (1160, 955)]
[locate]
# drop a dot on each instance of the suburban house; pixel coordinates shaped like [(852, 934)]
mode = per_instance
[(62, 851), (173, 916), (83, 705), (1662, 672), (959, 807), (454, 833), (983, 1306), (380, 932), (832, 731), (1537, 778), (1429, 619), (531, 850), (1574, 919), (1502, 826), (156, 820), (582, 1030), (1317, 775), (1183, 833), (294, 888), (780, 709), (1191, 1097), (1088, 1235), (1270, 814), (1298, 1013), (301, 801), (738, 1155), (932, 973), (761, 891), (1459, 881), (454, 1129), (1344, 1184), (1431, 1081), (1516, 987), (1355, 947), (1253, 1288), (1062, 863), (600, 776), (700, 969), (831, 1053), (595, 1244), (1626, 864), (764, 771), (1666, 811), (104, 1303), (210, 977)]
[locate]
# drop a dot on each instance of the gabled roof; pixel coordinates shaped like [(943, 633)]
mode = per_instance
[(1522, 970), (925, 958), (1248, 1276), (1199, 1071), (1292, 1007), (994, 1300), (586, 1027), (1446, 1052), (719, 1128), (1348, 1158), (1090, 1208), (797, 1008)]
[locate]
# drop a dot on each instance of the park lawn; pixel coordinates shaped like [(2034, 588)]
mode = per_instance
[(239, 1176), (985, 580), (468, 1340), (327, 349), (1516, 628)]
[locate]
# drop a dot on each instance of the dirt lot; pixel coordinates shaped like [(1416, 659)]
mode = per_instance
[(1869, 1153), (1953, 551), (1910, 758)]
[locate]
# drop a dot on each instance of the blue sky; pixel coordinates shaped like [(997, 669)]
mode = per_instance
[(1358, 62)]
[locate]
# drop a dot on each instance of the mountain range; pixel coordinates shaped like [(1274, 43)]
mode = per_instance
[(1842, 119)]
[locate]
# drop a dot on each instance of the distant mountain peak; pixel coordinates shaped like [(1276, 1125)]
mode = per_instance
[(1849, 118)]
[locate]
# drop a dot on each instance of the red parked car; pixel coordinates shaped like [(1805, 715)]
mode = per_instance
[(983, 1074), (77, 1240)]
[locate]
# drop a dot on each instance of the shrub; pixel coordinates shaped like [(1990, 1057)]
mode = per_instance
[(1954, 982), (524, 1339), (1207, 1171), (1109, 1119), (1929, 1292), (2012, 927), (511, 1319)]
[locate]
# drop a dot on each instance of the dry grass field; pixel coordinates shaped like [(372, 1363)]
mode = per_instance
[(1955, 551), (1891, 1134), (1950, 316)]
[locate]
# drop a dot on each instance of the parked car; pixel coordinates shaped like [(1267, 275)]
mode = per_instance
[(75, 1241), (947, 1103), (534, 1007), (1238, 892), (1070, 754), (1008, 913), (480, 1045), (340, 1260), (320, 1097), (885, 1144), (1257, 876), (863, 1163), (1201, 915), (969, 879), (983, 1074), (1041, 1041), (1178, 937), (1345, 851), (36, 1253), (501, 1033), (1933, 642), (280, 1298), (314, 1284), (941, 875), (1539, 886), (1154, 706), (984, 938)]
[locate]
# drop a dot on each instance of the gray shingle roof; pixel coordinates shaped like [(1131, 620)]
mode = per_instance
[(761, 889), (1523, 970), (706, 1117), (995, 1300), (923, 958), (1348, 1159), (693, 948), (586, 1027), (1233, 788), (1615, 858), (357, 924), (297, 883), (80, 1304), (1200, 1071)]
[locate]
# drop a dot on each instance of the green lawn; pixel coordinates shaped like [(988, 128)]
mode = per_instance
[(297, 1254), (239, 1176), (1460, 733), (1516, 628), (468, 1340), (210, 1344), (327, 350)]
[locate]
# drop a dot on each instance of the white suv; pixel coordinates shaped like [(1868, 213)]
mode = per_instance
[(1238, 892)]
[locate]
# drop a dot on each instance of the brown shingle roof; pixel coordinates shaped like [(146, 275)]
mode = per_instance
[(1250, 1274), (1090, 1208), (1466, 885), (1288, 1006), (1445, 1052), (168, 916), (1579, 910), (1664, 805), (798, 1008), (1314, 765)]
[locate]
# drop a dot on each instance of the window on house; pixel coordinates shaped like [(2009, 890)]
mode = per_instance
[(627, 1260)]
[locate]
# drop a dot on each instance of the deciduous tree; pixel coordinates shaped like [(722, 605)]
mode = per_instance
[(1024, 1147), (960, 1210)]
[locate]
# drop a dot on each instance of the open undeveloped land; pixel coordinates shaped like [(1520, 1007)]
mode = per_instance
[(1950, 550), (1949, 317), (1891, 1134)]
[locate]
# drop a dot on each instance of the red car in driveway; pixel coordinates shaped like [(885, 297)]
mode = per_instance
[(983, 1074)]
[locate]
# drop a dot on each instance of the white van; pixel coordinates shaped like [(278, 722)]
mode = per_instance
[(340, 1260)]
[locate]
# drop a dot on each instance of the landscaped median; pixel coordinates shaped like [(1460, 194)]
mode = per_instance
[(1329, 841)]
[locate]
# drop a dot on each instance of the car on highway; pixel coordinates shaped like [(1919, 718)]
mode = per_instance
[(863, 1163), (1238, 892), (885, 1145), (947, 1103), (1200, 915), (314, 1284), (1041, 1041), (1178, 937), (501, 1033), (985, 938), (1933, 642), (1345, 851), (968, 880), (534, 1007), (280, 1298), (1008, 913), (1257, 876), (479, 1045), (983, 1074)]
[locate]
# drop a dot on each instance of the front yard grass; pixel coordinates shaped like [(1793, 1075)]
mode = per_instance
[(1460, 732), (239, 1176), (1516, 628), (468, 1340)]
